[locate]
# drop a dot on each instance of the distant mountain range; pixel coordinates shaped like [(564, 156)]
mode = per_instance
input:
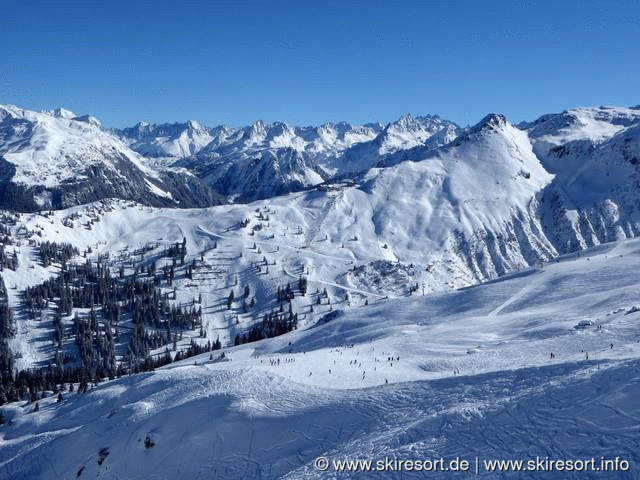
[(505, 194), (264, 160)]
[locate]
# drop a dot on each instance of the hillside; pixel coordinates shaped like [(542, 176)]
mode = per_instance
[(463, 374), (478, 208), (594, 154)]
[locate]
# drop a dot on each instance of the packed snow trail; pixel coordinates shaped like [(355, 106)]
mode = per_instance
[(337, 285), (211, 424), (531, 286)]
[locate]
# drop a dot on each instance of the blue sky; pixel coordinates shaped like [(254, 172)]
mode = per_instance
[(311, 62)]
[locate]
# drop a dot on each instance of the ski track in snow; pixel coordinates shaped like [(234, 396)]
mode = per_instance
[(337, 285), (520, 294)]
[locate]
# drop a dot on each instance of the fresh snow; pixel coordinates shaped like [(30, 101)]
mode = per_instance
[(579, 124), (471, 375), (265, 160), (50, 148), (168, 140)]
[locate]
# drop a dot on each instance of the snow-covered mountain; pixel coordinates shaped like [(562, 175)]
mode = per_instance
[(593, 154), (463, 375), (590, 125), (175, 140), (465, 212), (55, 159), (180, 140), (367, 367), (259, 161), (506, 196), (501, 197), (266, 160), (395, 140), (244, 164)]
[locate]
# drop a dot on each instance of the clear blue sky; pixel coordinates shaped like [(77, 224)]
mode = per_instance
[(309, 62)]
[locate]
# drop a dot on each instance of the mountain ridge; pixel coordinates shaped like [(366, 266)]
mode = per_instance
[(56, 160)]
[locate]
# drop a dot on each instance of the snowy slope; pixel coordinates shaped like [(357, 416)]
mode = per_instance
[(52, 149), (375, 369), (467, 211), (336, 137), (593, 153), (464, 374), (409, 131), (578, 125), (475, 182), (264, 160), (47, 149), (479, 208), (54, 159), (322, 141), (462, 215)]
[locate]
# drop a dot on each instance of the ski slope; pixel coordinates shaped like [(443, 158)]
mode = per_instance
[(462, 374)]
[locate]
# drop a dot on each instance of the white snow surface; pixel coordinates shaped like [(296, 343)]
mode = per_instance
[(476, 182), (590, 124), (461, 374), (280, 158), (168, 140), (48, 148)]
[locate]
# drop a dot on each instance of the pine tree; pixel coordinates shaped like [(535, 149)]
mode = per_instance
[(230, 299)]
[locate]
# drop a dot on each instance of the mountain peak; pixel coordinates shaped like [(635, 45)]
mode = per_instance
[(491, 125), (6, 111), (194, 125), (90, 119), (406, 120), (63, 113), (493, 120), (257, 132)]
